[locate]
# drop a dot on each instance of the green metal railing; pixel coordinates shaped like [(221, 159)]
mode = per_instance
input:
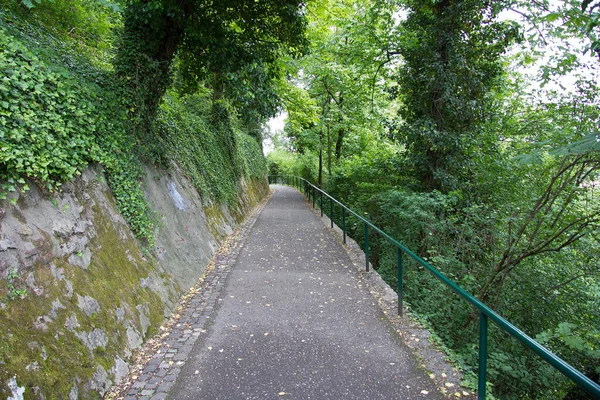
[(485, 313)]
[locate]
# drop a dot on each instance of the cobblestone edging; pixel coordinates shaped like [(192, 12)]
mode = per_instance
[(160, 371)]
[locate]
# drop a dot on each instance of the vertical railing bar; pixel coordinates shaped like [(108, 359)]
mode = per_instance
[(367, 246), (483, 342), (400, 293), (344, 223), (321, 200), (331, 211)]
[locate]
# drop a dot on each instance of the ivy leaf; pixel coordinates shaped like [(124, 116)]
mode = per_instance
[(109, 4), (30, 4)]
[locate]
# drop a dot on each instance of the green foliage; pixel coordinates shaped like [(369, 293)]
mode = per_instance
[(580, 343), (452, 52), (214, 154), (304, 164), (55, 122), (84, 27), (48, 120), (227, 41), (12, 292)]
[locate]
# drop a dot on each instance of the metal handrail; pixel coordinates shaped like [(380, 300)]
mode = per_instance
[(484, 311)]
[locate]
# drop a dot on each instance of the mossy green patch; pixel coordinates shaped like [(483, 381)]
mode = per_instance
[(36, 346), (40, 344)]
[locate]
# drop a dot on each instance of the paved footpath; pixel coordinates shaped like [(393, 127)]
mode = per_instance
[(286, 317)]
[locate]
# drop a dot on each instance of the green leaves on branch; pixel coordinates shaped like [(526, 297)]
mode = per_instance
[(590, 143), (29, 3)]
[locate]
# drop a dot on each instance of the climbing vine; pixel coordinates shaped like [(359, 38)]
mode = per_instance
[(55, 123)]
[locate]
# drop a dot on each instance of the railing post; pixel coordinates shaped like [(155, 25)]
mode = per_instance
[(321, 200), (483, 339), (331, 211), (313, 193), (367, 246), (344, 223), (400, 305)]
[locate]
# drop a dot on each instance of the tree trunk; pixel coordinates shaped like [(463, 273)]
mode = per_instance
[(338, 143), (329, 149), (320, 179), (143, 60)]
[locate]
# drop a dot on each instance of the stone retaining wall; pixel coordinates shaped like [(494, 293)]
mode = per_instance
[(77, 292)]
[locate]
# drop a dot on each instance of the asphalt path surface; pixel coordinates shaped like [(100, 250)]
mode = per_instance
[(294, 321)]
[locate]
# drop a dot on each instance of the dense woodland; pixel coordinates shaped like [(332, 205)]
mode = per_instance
[(467, 129)]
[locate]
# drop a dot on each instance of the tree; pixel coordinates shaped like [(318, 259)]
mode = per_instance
[(452, 61), (344, 74), (211, 38)]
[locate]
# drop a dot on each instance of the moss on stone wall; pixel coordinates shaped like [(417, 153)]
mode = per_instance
[(77, 319)]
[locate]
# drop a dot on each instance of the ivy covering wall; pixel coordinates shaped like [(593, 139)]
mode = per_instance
[(59, 112)]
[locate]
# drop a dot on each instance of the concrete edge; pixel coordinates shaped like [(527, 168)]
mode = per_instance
[(418, 339)]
